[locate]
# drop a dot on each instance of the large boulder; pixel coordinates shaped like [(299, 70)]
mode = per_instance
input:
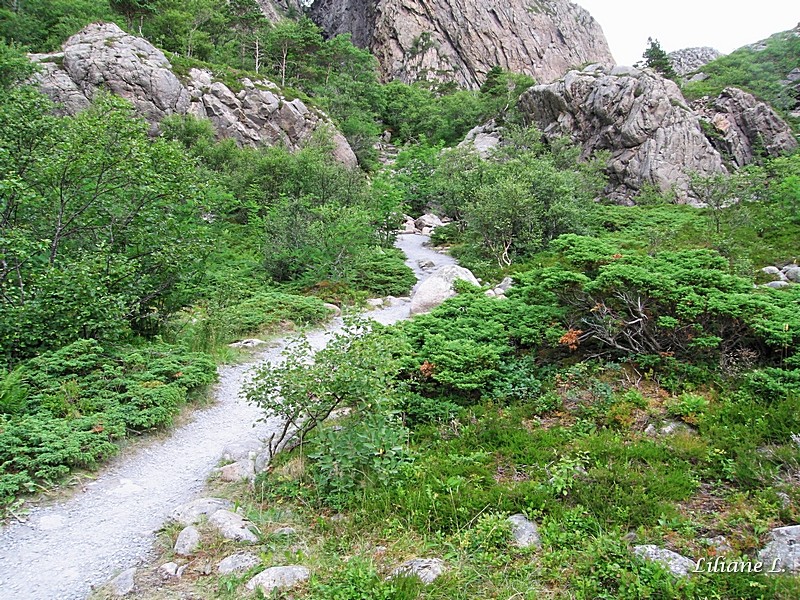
[(438, 287), (103, 57), (461, 40), (641, 118), (742, 128)]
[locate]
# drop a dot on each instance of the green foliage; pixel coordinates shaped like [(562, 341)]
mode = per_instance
[(358, 579), (66, 409), (760, 72), (88, 237), (655, 58)]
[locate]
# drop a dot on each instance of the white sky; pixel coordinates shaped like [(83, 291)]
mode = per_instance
[(721, 24)]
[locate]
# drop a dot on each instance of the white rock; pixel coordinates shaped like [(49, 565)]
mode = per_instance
[(772, 271), (427, 569), (192, 512), (490, 293), (232, 526), (123, 584), (506, 284), (438, 287), (375, 302), (777, 285), (428, 220), (280, 578), (525, 532), (285, 531), (678, 565), (188, 541), (248, 343), (237, 563)]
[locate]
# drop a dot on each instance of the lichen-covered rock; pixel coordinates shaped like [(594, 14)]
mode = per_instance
[(232, 526), (426, 569), (123, 584), (688, 60), (641, 118), (237, 563), (783, 549), (678, 565), (280, 578), (192, 512), (524, 532), (103, 56), (744, 128), (188, 541), (461, 40), (438, 287)]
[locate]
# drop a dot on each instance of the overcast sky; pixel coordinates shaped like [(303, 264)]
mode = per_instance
[(676, 24)]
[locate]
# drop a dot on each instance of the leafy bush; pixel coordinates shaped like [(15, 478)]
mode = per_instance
[(70, 406)]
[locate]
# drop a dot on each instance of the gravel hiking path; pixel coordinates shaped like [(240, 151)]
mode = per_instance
[(64, 550)]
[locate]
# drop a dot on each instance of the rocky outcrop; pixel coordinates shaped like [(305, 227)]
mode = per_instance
[(690, 60), (483, 139), (460, 40), (742, 128), (782, 550), (654, 137), (103, 57), (276, 10)]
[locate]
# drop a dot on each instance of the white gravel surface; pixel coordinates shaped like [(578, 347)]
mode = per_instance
[(64, 550)]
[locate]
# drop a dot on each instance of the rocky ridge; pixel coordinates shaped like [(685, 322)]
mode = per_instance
[(103, 57), (460, 40), (689, 60), (654, 136)]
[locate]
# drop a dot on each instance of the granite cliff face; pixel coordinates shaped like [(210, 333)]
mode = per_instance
[(653, 135), (460, 40), (104, 57), (744, 127)]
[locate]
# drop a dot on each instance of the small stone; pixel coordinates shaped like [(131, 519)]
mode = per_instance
[(777, 285), (375, 302), (490, 293), (285, 531), (426, 569), (191, 512), (525, 532), (426, 264), (232, 526), (237, 563), (123, 584), (506, 284), (783, 549), (188, 541), (169, 569), (678, 565), (280, 578), (630, 537), (772, 271)]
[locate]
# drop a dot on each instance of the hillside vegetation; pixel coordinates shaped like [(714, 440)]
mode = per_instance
[(761, 69), (639, 385)]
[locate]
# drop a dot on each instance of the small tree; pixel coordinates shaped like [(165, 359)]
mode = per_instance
[(658, 60)]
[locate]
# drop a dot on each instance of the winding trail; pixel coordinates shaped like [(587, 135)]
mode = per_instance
[(64, 550)]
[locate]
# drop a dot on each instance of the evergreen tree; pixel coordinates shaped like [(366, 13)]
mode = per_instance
[(658, 60)]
